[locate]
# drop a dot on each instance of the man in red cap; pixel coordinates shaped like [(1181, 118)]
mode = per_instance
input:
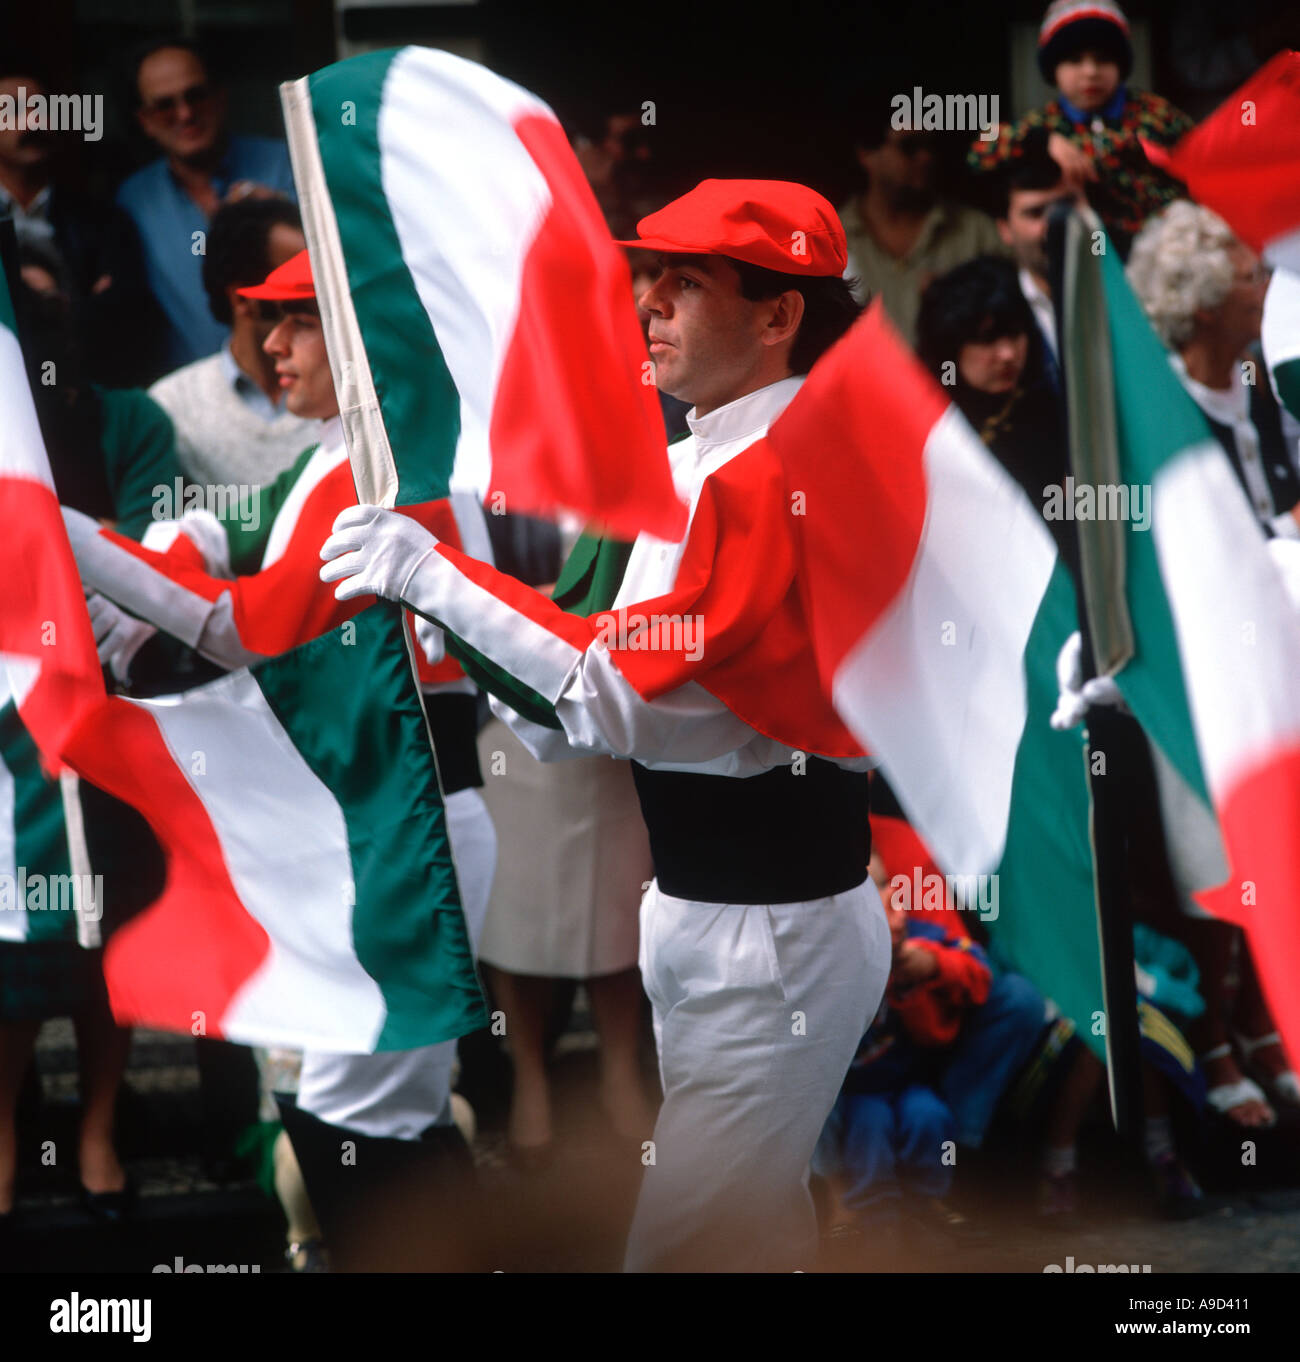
[(764, 947), (383, 1103)]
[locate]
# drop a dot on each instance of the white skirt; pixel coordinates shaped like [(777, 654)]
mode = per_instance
[(574, 861)]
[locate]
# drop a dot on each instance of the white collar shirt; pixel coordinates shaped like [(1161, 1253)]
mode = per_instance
[(714, 440), (1041, 305)]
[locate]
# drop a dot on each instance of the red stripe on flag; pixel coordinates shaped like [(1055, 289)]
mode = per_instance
[(195, 947), (573, 425), (851, 444), (1244, 159), (44, 616), (1260, 822)]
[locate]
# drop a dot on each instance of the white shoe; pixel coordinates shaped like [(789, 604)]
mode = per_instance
[(1227, 1097)]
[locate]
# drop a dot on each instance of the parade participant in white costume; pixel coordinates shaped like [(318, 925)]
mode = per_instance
[(764, 946), (397, 1095)]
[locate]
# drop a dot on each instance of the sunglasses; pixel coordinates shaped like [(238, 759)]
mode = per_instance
[(168, 106), (274, 312)]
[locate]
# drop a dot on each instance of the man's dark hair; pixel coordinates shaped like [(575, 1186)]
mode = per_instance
[(978, 301), (144, 50), (1031, 168), (872, 125), (829, 308), (238, 247), (867, 114)]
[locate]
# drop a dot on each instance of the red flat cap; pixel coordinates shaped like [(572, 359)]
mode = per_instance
[(773, 223), (287, 283)]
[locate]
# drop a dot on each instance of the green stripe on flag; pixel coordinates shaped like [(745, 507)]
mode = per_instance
[(1286, 378), (488, 676), (1047, 911), (1157, 422), (418, 400), (6, 306), (349, 703), (40, 837)]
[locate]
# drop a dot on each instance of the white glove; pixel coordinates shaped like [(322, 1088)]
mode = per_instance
[(118, 636), (432, 640), (203, 530), (1076, 694), (375, 552)]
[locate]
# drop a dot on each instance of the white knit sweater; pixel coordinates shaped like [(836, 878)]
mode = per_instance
[(220, 439)]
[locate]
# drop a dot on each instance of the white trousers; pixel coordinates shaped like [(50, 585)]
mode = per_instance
[(758, 1011), (400, 1093)]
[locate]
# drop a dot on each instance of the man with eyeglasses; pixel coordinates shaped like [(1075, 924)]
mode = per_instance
[(901, 232), (183, 110)]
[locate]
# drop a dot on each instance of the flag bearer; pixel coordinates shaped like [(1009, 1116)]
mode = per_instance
[(381, 1103), (764, 946)]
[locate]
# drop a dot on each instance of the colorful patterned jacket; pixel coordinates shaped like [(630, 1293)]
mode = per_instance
[(1129, 189)]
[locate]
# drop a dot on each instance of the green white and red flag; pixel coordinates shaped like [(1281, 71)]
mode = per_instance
[(479, 316), (936, 603), (1215, 640)]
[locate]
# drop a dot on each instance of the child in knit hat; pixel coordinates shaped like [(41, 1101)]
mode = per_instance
[(1094, 123)]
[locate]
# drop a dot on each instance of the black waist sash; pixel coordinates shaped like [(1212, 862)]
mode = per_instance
[(781, 837), (453, 721)]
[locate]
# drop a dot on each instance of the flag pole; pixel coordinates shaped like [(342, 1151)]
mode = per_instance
[(1086, 386)]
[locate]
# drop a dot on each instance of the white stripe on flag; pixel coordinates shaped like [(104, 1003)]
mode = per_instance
[(1283, 252), (22, 450), (937, 687), (363, 424), (1280, 326), (22, 674), (1238, 634), (285, 845), (465, 234)]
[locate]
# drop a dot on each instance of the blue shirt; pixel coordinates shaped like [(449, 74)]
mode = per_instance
[(167, 219), (244, 387), (1110, 112)]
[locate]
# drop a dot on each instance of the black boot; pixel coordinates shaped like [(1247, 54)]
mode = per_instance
[(387, 1205)]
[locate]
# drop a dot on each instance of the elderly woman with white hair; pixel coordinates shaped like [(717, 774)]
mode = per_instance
[(1203, 291)]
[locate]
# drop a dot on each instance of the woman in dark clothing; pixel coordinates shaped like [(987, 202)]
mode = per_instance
[(977, 335)]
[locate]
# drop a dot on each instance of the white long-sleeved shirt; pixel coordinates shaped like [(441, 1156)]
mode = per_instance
[(687, 729)]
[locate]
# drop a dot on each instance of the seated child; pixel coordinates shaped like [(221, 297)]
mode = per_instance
[(890, 1134)]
